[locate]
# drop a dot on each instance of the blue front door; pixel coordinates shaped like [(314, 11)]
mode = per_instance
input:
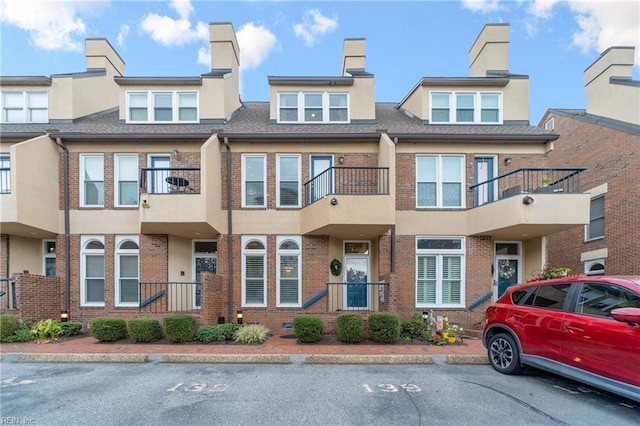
[(356, 271)]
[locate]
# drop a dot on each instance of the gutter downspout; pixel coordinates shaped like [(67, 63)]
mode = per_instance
[(229, 234), (67, 237)]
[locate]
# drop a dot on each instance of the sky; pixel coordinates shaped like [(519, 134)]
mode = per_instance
[(551, 41)]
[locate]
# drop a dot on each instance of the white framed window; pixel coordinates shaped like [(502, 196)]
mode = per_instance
[(205, 259), (92, 270), (289, 272), (49, 258), (254, 270), (288, 178), (127, 270), (162, 107), (5, 174), (25, 107), (91, 180), (440, 181), (550, 124), (594, 267), (126, 180), (595, 229), (465, 108), (313, 107), (254, 180), (440, 277)]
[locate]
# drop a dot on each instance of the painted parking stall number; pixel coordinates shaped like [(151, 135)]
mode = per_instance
[(199, 387), (390, 388)]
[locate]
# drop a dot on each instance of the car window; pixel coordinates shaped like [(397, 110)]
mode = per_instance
[(599, 299), (551, 296), (518, 296)]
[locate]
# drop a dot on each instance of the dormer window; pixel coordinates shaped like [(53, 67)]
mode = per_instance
[(162, 107), (25, 107), (466, 108), (313, 107)]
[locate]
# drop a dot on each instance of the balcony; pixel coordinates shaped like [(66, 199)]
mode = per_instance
[(172, 202), (348, 202), (528, 203)]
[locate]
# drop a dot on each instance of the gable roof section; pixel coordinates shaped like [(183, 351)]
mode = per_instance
[(582, 115)]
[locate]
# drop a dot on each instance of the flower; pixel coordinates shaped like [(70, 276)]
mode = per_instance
[(549, 272)]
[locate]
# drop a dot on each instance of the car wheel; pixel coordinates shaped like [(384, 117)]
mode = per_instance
[(503, 354)]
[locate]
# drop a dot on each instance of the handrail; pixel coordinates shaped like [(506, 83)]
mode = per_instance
[(480, 301), (315, 298)]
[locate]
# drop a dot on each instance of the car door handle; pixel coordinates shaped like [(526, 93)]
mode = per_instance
[(575, 329)]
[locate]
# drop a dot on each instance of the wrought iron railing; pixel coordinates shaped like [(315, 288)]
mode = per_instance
[(347, 181), (170, 180), (343, 296), (550, 180), (8, 293), (161, 297)]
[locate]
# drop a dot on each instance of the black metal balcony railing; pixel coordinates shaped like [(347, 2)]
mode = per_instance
[(347, 181), (8, 293), (159, 297), (526, 181), (5, 180), (170, 180), (354, 296)]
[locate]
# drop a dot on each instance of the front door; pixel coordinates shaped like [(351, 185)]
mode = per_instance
[(507, 266), (356, 274), (323, 185), (158, 178)]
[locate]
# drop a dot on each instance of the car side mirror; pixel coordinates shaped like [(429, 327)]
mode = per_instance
[(629, 315)]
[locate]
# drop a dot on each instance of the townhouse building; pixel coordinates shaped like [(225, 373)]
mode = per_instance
[(605, 138), (148, 196)]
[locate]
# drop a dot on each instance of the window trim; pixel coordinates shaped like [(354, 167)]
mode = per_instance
[(439, 181), (150, 106), (48, 255), (116, 180), (587, 227), (5, 173), (83, 201), (301, 107), (284, 252), (246, 239), (25, 107), (244, 180), (279, 157), (121, 239), (477, 107), (439, 254), (84, 252)]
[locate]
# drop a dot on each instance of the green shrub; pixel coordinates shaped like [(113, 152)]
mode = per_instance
[(308, 329), (252, 333), (8, 326), (108, 329), (210, 333), (46, 330), (70, 328), (20, 336), (229, 329), (180, 328), (413, 327), (350, 328), (144, 330), (384, 327)]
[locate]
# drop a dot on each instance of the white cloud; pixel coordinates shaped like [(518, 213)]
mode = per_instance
[(124, 30), (169, 31), (204, 56), (51, 25), (314, 24), (542, 8), (256, 42), (482, 6)]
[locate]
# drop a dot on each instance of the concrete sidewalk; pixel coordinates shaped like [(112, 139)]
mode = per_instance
[(276, 350)]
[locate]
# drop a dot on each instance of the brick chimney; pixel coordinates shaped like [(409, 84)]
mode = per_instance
[(490, 50)]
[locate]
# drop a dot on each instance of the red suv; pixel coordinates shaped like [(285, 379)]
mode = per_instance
[(583, 328)]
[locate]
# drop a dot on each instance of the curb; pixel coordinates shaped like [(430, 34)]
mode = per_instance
[(468, 359), (226, 359), (83, 358), (368, 359)]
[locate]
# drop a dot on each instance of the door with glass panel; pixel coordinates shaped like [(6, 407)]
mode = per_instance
[(204, 260), (158, 178), (356, 275), (507, 266), (484, 171), (321, 169)]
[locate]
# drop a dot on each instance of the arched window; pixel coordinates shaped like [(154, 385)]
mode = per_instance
[(289, 272), (254, 265), (92, 270), (594, 267), (127, 270)]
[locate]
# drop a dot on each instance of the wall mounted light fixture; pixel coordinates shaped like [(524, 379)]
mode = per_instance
[(527, 200), (334, 201), (341, 159), (507, 161), (176, 153), (239, 317), (145, 204)]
